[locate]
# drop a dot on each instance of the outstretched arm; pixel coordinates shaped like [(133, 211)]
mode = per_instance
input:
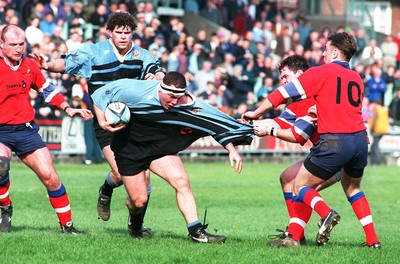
[(256, 114), (234, 157), (57, 65), (84, 113)]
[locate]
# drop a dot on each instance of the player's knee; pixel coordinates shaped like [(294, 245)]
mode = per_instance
[(137, 202), (4, 167)]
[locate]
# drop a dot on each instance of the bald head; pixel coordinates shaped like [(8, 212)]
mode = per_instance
[(12, 29), (12, 43)]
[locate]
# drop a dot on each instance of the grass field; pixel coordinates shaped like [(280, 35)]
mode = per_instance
[(246, 208)]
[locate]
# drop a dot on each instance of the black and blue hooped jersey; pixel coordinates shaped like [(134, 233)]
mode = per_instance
[(100, 63), (173, 130)]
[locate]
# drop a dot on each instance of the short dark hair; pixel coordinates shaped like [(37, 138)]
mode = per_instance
[(121, 19), (175, 78), (344, 42), (294, 63)]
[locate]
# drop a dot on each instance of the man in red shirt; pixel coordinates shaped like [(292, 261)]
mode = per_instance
[(19, 132), (338, 92)]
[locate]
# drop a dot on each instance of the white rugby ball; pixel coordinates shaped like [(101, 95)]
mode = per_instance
[(117, 113)]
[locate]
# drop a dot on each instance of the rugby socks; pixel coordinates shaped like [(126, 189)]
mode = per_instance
[(109, 185), (299, 220), (60, 202), (288, 200), (143, 211), (361, 208), (193, 226), (311, 197), (4, 194)]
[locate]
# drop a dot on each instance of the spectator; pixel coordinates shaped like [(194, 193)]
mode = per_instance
[(211, 13), (237, 85), (371, 53), (379, 126), (48, 24), (361, 44), (265, 89), (76, 21), (376, 85), (196, 59), (269, 36), (57, 10), (191, 6), (33, 33), (284, 42), (191, 85), (203, 76), (57, 38), (74, 42), (98, 18), (394, 108), (158, 45), (216, 52), (149, 13), (242, 22), (389, 51)]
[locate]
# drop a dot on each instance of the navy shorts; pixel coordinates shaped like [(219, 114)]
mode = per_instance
[(21, 139), (334, 151)]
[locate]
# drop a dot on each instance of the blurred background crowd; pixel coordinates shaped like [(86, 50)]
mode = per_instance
[(233, 71)]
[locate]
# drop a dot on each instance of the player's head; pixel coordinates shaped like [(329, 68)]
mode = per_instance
[(121, 26), (340, 47), (172, 87), (12, 43), (292, 67)]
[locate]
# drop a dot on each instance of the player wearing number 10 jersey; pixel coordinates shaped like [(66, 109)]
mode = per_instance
[(338, 92)]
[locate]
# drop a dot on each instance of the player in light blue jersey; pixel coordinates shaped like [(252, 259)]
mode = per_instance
[(101, 63), (165, 119)]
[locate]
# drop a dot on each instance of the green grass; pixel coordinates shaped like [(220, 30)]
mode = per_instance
[(246, 208)]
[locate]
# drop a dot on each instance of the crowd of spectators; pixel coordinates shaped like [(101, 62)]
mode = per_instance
[(232, 71)]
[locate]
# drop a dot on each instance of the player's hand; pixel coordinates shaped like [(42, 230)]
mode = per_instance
[(261, 130), (150, 76), (40, 60), (312, 111), (84, 113), (110, 126), (248, 116), (235, 161)]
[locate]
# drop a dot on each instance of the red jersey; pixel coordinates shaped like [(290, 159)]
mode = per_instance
[(15, 83), (290, 118), (338, 92)]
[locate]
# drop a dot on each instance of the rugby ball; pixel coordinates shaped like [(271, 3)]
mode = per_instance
[(117, 113)]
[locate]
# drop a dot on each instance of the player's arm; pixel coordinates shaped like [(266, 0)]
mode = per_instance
[(286, 134), (234, 157), (256, 114), (300, 132), (57, 65)]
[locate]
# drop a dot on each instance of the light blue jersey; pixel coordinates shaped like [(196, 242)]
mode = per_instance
[(100, 63)]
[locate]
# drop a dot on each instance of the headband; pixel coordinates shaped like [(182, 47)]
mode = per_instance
[(172, 89)]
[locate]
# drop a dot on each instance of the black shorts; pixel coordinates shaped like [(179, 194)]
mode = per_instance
[(103, 137), (129, 167)]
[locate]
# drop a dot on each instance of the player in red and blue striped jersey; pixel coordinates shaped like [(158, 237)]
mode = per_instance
[(338, 92), (295, 124), (19, 132)]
